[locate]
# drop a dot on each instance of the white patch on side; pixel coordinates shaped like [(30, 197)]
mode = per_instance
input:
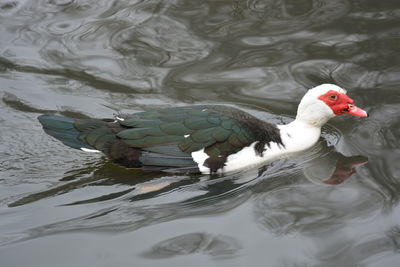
[(186, 135), (119, 118), (248, 157), (89, 150), (296, 136), (200, 157), (244, 158)]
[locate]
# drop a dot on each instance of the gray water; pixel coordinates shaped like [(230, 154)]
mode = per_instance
[(335, 205)]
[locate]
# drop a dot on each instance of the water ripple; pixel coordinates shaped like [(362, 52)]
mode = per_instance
[(219, 246), (94, 58)]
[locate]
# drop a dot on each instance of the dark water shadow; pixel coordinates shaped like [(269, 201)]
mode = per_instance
[(104, 173), (74, 74), (15, 103)]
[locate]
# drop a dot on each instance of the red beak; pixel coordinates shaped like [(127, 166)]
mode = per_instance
[(356, 111)]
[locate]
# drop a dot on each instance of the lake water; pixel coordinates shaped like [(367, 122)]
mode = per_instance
[(335, 205)]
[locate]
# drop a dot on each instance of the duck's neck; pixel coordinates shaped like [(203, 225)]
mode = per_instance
[(299, 135), (305, 130), (313, 113)]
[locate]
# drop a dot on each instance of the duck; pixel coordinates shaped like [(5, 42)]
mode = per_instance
[(204, 139)]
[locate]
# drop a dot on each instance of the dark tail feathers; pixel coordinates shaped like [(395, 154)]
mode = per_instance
[(62, 128)]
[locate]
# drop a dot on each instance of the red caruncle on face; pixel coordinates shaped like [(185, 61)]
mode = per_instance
[(340, 104)]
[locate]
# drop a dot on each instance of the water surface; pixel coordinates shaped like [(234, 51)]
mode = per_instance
[(335, 205)]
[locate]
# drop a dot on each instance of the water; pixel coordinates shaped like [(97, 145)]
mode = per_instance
[(62, 207)]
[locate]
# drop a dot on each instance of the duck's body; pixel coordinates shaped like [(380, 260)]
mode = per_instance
[(207, 138)]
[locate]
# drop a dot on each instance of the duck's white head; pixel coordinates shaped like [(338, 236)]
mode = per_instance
[(324, 102)]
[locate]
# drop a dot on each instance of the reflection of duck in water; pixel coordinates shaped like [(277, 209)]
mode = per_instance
[(206, 138), (333, 168)]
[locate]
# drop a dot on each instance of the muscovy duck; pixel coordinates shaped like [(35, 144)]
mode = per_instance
[(202, 138)]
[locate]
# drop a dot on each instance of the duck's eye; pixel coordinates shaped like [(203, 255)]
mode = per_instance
[(333, 97)]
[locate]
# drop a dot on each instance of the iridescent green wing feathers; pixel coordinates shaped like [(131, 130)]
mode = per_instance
[(219, 130)]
